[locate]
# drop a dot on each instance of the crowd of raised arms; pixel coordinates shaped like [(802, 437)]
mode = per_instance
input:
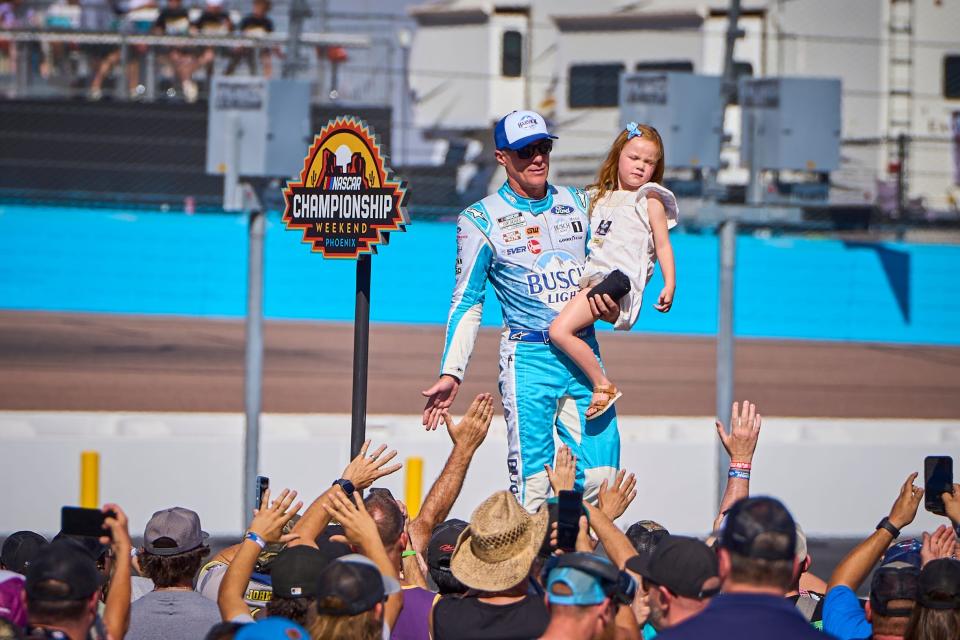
[(353, 564)]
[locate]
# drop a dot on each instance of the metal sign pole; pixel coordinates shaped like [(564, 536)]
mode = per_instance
[(361, 348), (253, 369), (728, 257)]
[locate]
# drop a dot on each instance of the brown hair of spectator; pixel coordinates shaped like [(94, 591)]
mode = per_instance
[(363, 626), (296, 609), (172, 571), (57, 611), (932, 624), (384, 510), (761, 572)]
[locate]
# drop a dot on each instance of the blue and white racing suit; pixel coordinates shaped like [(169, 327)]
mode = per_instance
[(533, 252)]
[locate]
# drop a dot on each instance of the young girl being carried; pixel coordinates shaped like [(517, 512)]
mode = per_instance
[(630, 215)]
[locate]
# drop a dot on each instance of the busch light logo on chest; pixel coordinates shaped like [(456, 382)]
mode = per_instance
[(554, 278)]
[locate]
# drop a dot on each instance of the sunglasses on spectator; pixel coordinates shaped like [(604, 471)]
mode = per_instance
[(544, 147)]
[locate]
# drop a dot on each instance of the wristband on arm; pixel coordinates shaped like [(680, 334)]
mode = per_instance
[(889, 527)]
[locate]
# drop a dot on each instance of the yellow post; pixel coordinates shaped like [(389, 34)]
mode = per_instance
[(90, 479), (414, 488)]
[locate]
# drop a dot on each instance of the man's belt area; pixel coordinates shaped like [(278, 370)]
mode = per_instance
[(542, 336)]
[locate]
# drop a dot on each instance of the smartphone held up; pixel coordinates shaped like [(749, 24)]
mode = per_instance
[(937, 480), (77, 521)]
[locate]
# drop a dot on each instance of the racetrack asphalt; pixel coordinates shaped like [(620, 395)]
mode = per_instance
[(91, 362)]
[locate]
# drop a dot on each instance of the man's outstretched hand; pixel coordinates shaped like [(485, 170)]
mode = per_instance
[(905, 507), (440, 398), (365, 469), (470, 432), (741, 442)]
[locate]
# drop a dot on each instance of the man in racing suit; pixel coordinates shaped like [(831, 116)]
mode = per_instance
[(529, 239)]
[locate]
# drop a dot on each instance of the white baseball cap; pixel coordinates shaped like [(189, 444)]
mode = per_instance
[(519, 128)]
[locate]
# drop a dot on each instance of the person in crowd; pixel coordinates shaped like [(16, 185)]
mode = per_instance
[(894, 584), (680, 576), (138, 19), (937, 614), (493, 558), (214, 20), (254, 25), (174, 20), (439, 551), (174, 546), (757, 564), (525, 239), (63, 586), (806, 592), (19, 549), (584, 593)]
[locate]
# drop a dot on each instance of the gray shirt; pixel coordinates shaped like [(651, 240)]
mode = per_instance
[(165, 615)]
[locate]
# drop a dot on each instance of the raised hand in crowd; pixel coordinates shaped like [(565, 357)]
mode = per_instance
[(361, 531), (942, 543), (362, 471), (116, 613), (740, 444), (467, 436), (266, 527), (951, 504), (613, 500), (564, 475), (854, 568)]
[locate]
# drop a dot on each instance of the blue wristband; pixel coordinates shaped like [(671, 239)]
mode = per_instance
[(250, 535), (738, 473)]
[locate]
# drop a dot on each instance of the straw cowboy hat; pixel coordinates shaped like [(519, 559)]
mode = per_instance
[(495, 552)]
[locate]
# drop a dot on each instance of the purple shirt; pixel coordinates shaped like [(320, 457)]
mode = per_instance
[(11, 605), (413, 622)]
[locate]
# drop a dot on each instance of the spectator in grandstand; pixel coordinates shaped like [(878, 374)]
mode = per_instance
[(254, 25), (139, 18), (679, 577), (213, 21), (174, 546), (174, 20), (757, 564), (584, 593), (493, 557), (937, 614), (893, 589), (807, 589), (348, 600), (63, 586)]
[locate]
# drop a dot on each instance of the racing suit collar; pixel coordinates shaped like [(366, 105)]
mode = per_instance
[(526, 204)]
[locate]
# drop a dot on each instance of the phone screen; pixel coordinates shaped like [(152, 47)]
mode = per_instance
[(569, 508), (77, 521), (937, 480), (263, 483)]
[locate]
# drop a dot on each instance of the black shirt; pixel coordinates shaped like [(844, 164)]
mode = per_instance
[(467, 618), (254, 26), (211, 24), (173, 22)]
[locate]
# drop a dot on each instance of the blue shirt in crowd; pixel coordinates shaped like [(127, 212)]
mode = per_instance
[(745, 616), (843, 615)]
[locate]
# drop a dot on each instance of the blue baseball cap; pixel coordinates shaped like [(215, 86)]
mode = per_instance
[(273, 628), (519, 128), (584, 589)]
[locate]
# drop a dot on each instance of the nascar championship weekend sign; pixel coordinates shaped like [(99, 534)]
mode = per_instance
[(345, 202)]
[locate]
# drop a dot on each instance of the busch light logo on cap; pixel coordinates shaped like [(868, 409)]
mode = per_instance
[(555, 277), (527, 122)]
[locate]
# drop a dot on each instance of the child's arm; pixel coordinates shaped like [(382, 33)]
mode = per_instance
[(661, 242)]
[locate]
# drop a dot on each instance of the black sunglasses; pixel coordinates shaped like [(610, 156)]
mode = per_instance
[(544, 147)]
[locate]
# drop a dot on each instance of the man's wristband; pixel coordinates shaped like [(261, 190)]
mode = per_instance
[(255, 537), (889, 527), (741, 465), (408, 553), (738, 473)]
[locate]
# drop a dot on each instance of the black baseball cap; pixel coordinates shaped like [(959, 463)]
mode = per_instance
[(352, 585), (760, 528), (295, 570), (443, 542), (894, 581), (62, 571), (20, 548), (939, 584), (685, 566), (90, 545)]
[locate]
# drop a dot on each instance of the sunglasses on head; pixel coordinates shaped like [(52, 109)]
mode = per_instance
[(542, 147)]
